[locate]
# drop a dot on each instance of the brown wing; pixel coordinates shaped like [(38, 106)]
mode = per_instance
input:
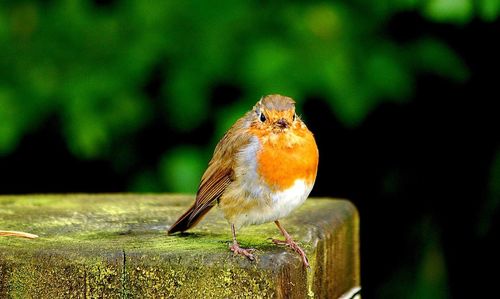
[(211, 190), (216, 178)]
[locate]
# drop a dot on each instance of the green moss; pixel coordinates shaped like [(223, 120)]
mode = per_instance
[(107, 246), (57, 276), (197, 279)]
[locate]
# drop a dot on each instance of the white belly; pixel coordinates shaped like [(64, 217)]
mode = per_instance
[(278, 205)]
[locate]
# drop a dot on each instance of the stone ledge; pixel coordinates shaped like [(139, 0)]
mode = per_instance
[(116, 246)]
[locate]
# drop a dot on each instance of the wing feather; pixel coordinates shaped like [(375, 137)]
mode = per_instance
[(220, 171), (210, 192), (219, 174)]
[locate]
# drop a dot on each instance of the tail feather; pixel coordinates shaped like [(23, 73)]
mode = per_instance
[(189, 219)]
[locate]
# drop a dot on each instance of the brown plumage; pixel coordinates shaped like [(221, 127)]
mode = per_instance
[(215, 180), (263, 168)]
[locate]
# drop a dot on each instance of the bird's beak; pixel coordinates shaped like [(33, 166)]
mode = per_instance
[(282, 123)]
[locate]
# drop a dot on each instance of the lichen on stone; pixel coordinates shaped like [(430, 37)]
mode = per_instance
[(116, 246)]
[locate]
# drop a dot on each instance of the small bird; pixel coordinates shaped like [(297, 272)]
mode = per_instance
[(263, 168)]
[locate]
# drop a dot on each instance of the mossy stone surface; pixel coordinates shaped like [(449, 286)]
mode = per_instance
[(116, 246)]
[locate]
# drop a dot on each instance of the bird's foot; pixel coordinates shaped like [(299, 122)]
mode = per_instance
[(236, 249), (290, 243)]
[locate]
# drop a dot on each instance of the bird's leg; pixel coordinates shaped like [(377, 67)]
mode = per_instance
[(238, 250), (290, 243), (4, 233)]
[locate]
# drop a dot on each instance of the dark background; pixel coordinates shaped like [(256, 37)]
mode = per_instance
[(132, 96)]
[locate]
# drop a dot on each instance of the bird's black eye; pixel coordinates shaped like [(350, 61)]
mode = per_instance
[(294, 116), (262, 117)]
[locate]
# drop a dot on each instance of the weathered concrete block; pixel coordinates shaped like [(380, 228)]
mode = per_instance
[(116, 246)]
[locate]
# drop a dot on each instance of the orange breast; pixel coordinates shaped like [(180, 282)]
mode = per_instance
[(287, 157)]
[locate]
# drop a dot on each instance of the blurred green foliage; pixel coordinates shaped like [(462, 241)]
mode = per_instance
[(428, 277), (492, 204), (88, 65)]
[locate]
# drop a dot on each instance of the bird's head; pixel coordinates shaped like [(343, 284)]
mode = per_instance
[(275, 114)]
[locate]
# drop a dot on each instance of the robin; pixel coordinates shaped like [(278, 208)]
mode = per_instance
[(261, 170)]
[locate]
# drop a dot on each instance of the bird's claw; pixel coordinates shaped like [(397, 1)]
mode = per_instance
[(237, 250), (290, 243)]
